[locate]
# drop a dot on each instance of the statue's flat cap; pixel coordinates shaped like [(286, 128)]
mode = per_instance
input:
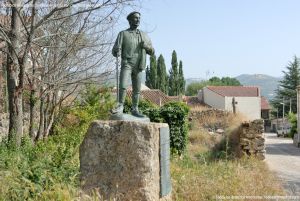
[(132, 13)]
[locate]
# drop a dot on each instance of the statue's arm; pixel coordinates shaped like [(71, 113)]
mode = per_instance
[(149, 49), (147, 45), (117, 48)]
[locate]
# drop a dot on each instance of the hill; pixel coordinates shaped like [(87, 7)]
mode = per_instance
[(267, 83)]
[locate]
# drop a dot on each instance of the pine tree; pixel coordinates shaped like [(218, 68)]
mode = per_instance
[(287, 90), (162, 75), (181, 79), (173, 78)]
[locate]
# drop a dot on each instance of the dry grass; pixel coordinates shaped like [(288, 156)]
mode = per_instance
[(206, 172), (199, 108), (205, 181)]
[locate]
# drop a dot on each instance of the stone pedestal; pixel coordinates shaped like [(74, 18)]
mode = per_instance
[(126, 160)]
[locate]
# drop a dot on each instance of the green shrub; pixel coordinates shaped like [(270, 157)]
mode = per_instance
[(147, 108), (293, 120), (94, 103), (175, 114)]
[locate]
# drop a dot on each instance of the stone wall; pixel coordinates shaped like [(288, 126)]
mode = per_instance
[(121, 159), (207, 113), (252, 140)]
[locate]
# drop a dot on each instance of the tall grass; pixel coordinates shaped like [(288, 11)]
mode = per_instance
[(210, 169), (47, 169)]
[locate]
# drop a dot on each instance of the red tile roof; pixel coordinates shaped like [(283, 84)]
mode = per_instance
[(153, 95), (265, 104), (237, 91)]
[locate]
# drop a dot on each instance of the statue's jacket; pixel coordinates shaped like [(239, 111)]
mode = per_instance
[(129, 44)]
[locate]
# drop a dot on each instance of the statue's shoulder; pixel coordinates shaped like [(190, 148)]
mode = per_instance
[(143, 32)]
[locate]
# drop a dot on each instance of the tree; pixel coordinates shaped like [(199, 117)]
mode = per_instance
[(15, 74), (215, 80), (181, 81), (162, 77), (228, 81), (193, 88), (173, 76), (151, 74), (148, 81), (286, 91), (224, 81), (54, 51)]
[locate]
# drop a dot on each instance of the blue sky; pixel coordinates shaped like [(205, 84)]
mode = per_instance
[(224, 37)]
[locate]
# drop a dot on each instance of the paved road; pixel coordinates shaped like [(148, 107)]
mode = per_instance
[(284, 159)]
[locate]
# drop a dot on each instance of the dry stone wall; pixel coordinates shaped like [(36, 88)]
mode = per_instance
[(207, 113), (252, 140)]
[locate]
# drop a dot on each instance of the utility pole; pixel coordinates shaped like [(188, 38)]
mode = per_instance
[(277, 121), (233, 105), (290, 105), (283, 125)]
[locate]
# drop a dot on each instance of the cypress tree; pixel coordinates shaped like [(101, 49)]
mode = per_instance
[(173, 79), (148, 80), (181, 79), (153, 72), (162, 75)]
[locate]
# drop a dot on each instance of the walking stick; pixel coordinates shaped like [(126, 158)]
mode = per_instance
[(117, 73)]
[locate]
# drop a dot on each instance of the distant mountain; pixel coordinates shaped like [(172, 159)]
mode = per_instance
[(267, 83)]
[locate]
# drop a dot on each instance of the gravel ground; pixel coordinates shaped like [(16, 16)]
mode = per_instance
[(284, 159)]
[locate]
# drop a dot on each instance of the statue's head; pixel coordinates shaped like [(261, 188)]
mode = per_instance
[(134, 19)]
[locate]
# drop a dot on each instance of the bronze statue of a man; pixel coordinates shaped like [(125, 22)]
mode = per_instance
[(131, 45)]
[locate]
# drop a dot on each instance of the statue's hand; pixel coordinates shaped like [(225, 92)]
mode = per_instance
[(116, 53)]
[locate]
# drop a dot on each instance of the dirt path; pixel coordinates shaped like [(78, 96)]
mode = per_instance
[(284, 159)]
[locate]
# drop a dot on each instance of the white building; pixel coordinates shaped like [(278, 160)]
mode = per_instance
[(243, 99)]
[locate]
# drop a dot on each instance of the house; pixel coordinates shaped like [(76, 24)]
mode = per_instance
[(245, 100), (265, 113), (265, 108)]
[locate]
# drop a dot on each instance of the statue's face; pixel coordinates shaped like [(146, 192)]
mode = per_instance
[(134, 20)]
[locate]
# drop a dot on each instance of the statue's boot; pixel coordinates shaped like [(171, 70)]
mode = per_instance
[(135, 110), (120, 107)]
